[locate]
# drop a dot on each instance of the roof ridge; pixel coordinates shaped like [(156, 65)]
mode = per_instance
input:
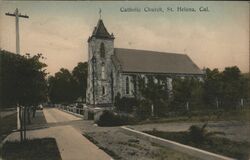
[(158, 52)]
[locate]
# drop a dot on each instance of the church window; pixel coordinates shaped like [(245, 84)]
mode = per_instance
[(103, 90), (127, 85), (103, 71), (102, 50)]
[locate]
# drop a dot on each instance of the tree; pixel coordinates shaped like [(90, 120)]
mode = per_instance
[(186, 91), (62, 87), (225, 88), (22, 82), (155, 92), (234, 86), (22, 79), (80, 73), (213, 86)]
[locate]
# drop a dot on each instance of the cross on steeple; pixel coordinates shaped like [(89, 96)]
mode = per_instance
[(100, 13)]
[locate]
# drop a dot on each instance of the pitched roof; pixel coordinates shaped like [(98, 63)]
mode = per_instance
[(142, 61), (100, 31)]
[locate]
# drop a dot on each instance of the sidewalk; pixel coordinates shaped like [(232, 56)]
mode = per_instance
[(71, 143)]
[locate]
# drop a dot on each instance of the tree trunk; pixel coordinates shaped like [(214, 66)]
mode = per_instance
[(29, 120), (24, 122), (34, 111), (21, 123)]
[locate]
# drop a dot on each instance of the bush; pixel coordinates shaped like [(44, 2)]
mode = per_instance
[(125, 104), (109, 118), (143, 111), (199, 135)]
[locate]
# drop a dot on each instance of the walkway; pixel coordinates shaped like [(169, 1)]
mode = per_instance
[(54, 115), (72, 145)]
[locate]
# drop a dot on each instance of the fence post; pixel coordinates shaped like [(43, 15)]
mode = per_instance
[(152, 110), (217, 103), (242, 103), (187, 106)]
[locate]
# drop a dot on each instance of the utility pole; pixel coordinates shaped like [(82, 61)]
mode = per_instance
[(20, 112), (16, 14)]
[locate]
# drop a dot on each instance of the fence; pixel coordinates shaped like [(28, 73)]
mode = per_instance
[(74, 110)]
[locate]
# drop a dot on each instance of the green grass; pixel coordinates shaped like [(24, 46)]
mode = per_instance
[(35, 149), (203, 116), (168, 154), (219, 145), (7, 124), (108, 151)]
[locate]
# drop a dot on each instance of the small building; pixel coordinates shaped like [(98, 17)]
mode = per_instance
[(113, 70)]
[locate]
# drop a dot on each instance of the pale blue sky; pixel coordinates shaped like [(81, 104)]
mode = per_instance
[(60, 30)]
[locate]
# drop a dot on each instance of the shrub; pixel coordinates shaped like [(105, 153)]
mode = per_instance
[(125, 104), (199, 135), (143, 111), (109, 118)]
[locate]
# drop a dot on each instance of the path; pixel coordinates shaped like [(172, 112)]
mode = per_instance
[(54, 115), (71, 144)]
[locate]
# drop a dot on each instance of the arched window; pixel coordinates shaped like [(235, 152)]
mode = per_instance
[(103, 71), (103, 90), (102, 50), (127, 85)]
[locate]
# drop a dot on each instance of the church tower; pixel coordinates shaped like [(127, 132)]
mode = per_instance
[(100, 74)]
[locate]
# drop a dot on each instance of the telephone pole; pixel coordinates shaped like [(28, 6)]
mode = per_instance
[(21, 121), (17, 15)]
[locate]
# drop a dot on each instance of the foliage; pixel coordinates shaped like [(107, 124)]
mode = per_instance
[(226, 87), (143, 110), (22, 79), (199, 135), (219, 145), (212, 86), (222, 90), (189, 89), (67, 87), (125, 104), (154, 92), (109, 118), (62, 87), (80, 73)]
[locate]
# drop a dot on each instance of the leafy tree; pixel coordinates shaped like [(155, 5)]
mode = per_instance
[(234, 86), (156, 93), (22, 79), (80, 73), (212, 86), (62, 87), (22, 82), (186, 90), (67, 87)]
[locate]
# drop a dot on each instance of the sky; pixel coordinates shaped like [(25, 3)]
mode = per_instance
[(59, 30)]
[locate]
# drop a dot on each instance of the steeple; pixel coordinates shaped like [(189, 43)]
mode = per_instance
[(100, 31)]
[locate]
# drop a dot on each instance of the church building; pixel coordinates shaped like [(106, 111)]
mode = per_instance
[(112, 70)]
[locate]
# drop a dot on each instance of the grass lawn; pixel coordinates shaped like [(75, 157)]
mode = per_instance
[(132, 148), (7, 124), (219, 145), (169, 154), (35, 149), (203, 116)]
